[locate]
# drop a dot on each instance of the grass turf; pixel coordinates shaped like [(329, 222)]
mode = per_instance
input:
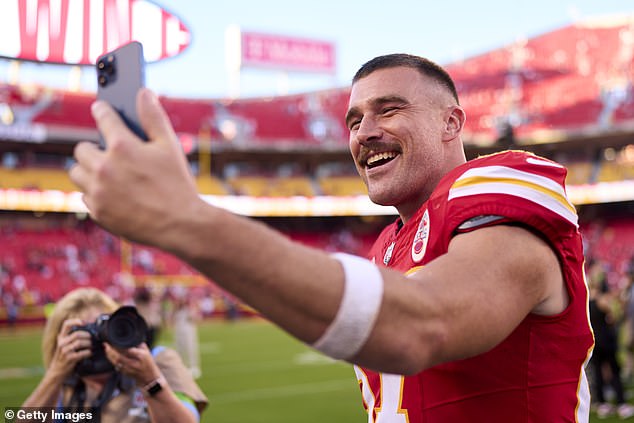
[(252, 372)]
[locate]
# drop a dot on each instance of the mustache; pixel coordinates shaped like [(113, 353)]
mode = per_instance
[(374, 147)]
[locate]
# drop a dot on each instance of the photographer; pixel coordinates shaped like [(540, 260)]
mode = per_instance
[(124, 385)]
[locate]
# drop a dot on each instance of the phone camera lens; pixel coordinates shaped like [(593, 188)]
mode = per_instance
[(109, 65), (106, 70), (103, 80)]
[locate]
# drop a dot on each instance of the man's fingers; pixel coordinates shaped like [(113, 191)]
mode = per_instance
[(86, 154), (154, 119), (79, 177), (110, 124)]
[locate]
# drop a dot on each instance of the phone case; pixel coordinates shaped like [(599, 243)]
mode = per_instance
[(120, 75)]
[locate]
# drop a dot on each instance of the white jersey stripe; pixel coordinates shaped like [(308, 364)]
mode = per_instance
[(506, 180), (583, 407), (510, 173), (516, 188)]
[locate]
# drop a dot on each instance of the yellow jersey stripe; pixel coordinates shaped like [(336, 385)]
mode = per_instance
[(485, 179), (505, 180)]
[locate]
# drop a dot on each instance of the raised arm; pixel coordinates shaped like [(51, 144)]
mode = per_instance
[(490, 278)]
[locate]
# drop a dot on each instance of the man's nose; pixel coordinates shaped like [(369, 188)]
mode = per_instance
[(369, 129)]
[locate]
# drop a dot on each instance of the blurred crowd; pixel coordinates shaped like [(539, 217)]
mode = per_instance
[(610, 277), (42, 258)]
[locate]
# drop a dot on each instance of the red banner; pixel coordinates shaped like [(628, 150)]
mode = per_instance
[(78, 31), (289, 53)]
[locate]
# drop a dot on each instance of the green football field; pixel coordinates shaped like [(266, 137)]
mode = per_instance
[(252, 373)]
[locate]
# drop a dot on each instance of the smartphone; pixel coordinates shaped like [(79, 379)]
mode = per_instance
[(120, 75)]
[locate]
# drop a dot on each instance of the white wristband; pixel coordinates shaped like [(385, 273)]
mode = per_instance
[(359, 308)]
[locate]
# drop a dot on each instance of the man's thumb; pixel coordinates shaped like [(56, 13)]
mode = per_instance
[(153, 117)]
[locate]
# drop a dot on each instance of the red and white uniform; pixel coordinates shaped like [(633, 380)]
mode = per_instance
[(537, 373)]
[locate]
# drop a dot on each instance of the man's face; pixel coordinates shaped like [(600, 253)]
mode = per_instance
[(396, 118)]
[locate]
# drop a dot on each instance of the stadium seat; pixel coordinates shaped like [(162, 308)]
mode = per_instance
[(33, 178), (262, 186), (210, 185), (579, 173), (610, 171), (342, 185)]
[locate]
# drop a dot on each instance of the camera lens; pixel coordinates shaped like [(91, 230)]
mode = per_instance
[(125, 328)]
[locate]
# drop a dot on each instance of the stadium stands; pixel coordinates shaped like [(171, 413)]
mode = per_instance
[(575, 77), (342, 185), (579, 172), (36, 178), (264, 186), (211, 185), (572, 85), (42, 258)]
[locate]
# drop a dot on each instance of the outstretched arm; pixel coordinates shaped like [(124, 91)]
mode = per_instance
[(484, 286)]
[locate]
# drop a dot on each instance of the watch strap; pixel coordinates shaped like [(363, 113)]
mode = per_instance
[(154, 387)]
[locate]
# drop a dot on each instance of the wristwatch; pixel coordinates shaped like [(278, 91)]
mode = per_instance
[(154, 386)]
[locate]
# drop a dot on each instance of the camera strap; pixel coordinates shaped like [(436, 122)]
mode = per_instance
[(106, 393), (78, 398)]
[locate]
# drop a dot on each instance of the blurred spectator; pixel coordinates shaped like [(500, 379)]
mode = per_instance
[(149, 307), (604, 362), (186, 316), (13, 309), (628, 322)]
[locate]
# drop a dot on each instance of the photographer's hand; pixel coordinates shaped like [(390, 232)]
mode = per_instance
[(138, 363), (71, 348)]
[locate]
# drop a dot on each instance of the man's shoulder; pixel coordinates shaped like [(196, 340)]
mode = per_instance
[(498, 183), (512, 158), (504, 165)]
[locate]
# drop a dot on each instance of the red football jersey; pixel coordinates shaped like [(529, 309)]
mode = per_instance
[(537, 373)]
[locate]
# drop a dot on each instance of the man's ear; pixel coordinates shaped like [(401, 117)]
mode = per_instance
[(455, 118)]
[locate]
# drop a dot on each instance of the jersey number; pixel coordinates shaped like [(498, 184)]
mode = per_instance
[(389, 410)]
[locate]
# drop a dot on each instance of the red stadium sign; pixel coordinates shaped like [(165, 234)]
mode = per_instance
[(78, 31), (276, 51)]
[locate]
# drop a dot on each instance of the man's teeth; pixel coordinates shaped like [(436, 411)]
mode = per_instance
[(380, 156)]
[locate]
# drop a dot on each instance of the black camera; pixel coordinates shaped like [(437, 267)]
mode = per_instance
[(124, 328)]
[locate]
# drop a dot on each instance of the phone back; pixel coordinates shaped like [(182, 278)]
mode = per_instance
[(120, 75)]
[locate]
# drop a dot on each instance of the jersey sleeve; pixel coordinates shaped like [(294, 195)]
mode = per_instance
[(518, 188)]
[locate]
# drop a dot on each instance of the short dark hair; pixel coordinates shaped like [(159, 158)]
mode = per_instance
[(423, 65)]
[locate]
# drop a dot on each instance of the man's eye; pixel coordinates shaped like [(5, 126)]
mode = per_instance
[(354, 125), (388, 110)]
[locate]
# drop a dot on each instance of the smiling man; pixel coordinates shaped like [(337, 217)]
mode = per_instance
[(472, 305)]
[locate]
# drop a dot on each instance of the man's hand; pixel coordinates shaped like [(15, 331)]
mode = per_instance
[(133, 188)]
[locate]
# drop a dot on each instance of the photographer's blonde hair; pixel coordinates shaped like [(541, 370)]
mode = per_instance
[(70, 305)]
